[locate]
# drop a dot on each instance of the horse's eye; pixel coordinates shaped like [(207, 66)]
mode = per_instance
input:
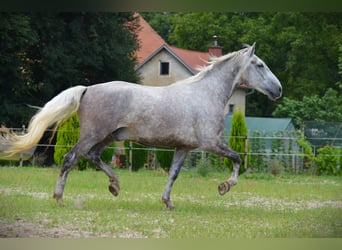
[(260, 65)]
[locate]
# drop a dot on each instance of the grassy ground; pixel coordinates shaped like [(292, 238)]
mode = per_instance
[(262, 206)]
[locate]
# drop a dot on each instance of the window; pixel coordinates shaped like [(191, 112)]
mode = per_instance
[(231, 109), (164, 68)]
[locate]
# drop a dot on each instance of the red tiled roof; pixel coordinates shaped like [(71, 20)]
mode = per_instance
[(194, 59), (150, 41)]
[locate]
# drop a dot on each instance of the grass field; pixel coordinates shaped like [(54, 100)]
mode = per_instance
[(259, 207)]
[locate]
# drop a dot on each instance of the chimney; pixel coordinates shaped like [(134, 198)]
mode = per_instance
[(215, 50)]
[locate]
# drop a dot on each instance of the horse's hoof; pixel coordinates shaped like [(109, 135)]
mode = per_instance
[(114, 189), (59, 198), (169, 205), (223, 188)]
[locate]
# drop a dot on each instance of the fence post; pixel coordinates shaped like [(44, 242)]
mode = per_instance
[(130, 156), (21, 154), (246, 153)]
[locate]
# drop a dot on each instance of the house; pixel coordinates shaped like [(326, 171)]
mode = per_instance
[(160, 64)]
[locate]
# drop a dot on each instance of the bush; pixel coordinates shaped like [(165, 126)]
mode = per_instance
[(164, 158), (258, 147), (275, 167), (215, 161), (67, 136), (204, 167), (329, 161), (306, 151)]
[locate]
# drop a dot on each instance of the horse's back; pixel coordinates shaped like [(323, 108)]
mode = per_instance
[(147, 114)]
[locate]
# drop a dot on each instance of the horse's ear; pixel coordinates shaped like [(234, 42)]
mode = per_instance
[(251, 50)]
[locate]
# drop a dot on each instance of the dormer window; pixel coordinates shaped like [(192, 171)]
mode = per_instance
[(164, 68)]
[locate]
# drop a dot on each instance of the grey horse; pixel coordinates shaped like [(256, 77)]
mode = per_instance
[(186, 115)]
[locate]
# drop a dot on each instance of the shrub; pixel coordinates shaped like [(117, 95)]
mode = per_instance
[(275, 167), (216, 162), (67, 136), (329, 161), (204, 167), (306, 152), (164, 158), (258, 147)]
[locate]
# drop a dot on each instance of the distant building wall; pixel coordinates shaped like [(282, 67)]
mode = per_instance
[(150, 71), (237, 101)]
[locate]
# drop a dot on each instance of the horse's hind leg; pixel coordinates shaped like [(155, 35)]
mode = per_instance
[(94, 156), (70, 160), (223, 150), (224, 187)]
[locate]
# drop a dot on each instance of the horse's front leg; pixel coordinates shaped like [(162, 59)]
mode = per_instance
[(177, 163)]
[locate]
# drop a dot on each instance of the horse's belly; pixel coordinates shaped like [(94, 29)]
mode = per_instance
[(165, 137)]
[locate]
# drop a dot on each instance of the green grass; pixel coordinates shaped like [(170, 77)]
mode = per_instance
[(260, 206)]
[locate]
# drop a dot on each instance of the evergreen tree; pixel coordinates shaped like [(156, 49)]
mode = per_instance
[(237, 139)]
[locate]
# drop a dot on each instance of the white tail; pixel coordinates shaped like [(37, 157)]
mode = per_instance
[(57, 110)]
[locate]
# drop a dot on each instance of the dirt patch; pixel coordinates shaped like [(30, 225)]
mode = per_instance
[(25, 229)]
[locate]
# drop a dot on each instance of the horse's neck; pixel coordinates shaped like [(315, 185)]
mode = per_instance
[(221, 81)]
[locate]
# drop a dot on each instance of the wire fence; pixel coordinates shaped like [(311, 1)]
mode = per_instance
[(259, 150), (270, 149)]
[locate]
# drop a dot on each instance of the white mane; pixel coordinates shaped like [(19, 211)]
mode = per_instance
[(214, 61)]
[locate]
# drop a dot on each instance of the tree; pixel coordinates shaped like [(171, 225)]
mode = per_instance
[(160, 22), (82, 48), (45, 53), (237, 139), (15, 73), (300, 48), (312, 108), (340, 64)]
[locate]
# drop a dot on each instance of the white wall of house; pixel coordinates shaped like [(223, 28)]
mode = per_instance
[(150, 71), (238, 100)]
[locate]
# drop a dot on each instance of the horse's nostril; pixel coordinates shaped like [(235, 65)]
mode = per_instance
[(280, 89)]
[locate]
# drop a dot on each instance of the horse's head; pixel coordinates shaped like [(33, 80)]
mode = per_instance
[(256, 75)]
